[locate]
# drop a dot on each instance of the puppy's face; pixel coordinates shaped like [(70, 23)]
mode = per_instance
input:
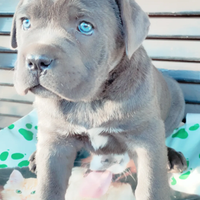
[(66, 48)]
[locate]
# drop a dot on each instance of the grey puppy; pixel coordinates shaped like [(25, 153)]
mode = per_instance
[(95, 87)]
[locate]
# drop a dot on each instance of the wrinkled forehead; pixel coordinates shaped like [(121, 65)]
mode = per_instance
[(44, 8)]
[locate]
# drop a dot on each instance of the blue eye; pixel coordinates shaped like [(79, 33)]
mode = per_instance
[(18, 191), (26, 24), (85, 28)]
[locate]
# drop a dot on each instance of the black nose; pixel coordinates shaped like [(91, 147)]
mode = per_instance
[(38, 62)]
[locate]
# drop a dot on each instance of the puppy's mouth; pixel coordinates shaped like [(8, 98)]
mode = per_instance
[(37, 89), (43, 92)]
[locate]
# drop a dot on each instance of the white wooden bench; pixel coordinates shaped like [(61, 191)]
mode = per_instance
[(173, 44)]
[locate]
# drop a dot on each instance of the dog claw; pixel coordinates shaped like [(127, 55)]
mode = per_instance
[(176, 161), (32, 163)]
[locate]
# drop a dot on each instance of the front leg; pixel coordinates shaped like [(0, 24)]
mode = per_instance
[(55, 159), (151, 161)]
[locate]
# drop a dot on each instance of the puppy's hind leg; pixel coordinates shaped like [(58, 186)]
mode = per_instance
[(177, 108)]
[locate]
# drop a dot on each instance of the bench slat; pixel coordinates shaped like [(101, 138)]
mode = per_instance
[(170, 6), (14, 108), (173, 50), (183, 72), (7, 61), (8, 7), (16, 101), (191, 92), (151, 6), (10, 93), (6, 77), (6, 121), (5, 25), (5, 45), (170, 27), (191, 108)]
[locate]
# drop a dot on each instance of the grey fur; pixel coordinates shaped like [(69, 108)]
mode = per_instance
[(104, 80)]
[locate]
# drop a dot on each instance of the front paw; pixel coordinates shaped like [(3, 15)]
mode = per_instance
[(176, 161), (32, 163)]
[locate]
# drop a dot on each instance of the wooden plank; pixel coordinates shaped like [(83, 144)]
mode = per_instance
[(191, 108), (10, 93), (176, 27), (184, 72), (5, 44), (177, 66), (16, 101), (183, 76), (150, 6), (170, 6), (5, 25), (6, 121), (7, 60), (173, 50), (191, 92), (7, 7), (15, 108), (6, 76)]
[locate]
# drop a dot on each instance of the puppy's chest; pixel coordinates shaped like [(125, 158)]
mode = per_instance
[(101, 138)]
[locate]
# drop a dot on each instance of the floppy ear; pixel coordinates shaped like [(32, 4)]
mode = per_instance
[(13, 34), (135, 23), (14, 28)]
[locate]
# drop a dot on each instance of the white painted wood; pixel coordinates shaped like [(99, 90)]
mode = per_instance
[(8, 6), (5, 42), (15, 108), (6, 76), (175, 26), (177, 66), (169, 5), (10, 93), (148, 5), (6, 121), (173, 49), (189, 72)]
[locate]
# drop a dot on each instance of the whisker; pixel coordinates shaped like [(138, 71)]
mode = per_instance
[(131, 175)]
